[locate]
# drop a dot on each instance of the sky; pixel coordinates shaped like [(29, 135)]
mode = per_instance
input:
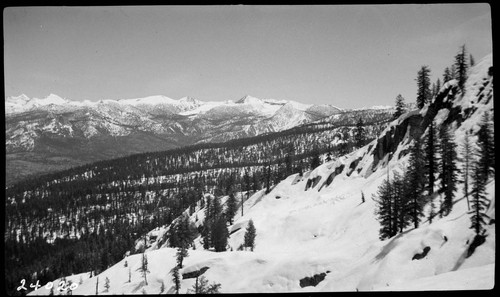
[(350, 56)]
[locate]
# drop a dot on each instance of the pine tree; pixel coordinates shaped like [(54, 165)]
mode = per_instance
[(400, 106), (384, 210), (486, 146), (250, 234), (471, 60), (453, 71), (462, 66), (176, 278), (402, 202), (430, 165), (466, 153), (182, 232), (423, 86), (182, 252), (359, 133), (129, 274), (447, 76), (231, 208), (479, 200), (430, 158), (415, 183), (448, 169), (438, 87), (220, 234), (106, 284), (144, 267)]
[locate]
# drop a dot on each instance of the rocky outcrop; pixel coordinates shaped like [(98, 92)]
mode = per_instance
[(312, 281), (195, 274), (415, 124), (421, 255), (312, 182)]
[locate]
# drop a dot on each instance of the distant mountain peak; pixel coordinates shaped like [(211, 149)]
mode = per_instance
[(247, 99), (50, 99), (189, 99), (21, 97)]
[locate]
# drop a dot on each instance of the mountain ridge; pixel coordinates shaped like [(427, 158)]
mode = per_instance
[(50, 132)]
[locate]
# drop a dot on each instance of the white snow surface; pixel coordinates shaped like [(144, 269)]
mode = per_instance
[(304, 233)]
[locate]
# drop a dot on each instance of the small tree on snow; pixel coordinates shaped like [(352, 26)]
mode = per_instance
[(182, 252), (385, 210), (176, 278), (144, 267), (106, 284), (249, 239)]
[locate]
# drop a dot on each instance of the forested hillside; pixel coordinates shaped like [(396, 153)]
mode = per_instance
[(86, 218)]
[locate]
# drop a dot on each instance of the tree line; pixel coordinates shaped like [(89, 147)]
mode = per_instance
[(401, 198)]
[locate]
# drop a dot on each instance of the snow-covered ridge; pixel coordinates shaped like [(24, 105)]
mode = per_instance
[(375, 107), (23, 103), (183, 106)]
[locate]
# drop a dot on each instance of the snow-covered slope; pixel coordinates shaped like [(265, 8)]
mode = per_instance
[(315, 233), (305, 233)]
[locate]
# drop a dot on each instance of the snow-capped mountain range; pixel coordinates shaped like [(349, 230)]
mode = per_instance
[(208, 121), (54, 133)]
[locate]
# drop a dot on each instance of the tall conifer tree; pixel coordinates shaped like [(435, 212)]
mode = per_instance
[(461, 65), (415, 183), (423, 86), (448, 169)]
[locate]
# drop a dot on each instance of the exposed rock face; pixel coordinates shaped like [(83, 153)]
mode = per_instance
[(478, 240), (353, 166), (388, 143), (423, 254), (312, 182), (415, 124), (313, 280), (195, 274)]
